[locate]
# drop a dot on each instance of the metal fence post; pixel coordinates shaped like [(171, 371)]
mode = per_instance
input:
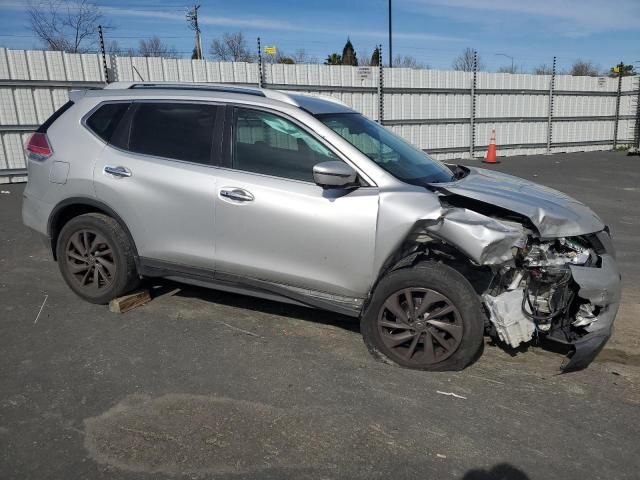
[(260, 67), (472, 119), (380, 87), (636, 130), (615, 125), (552, 86), (104, 54)]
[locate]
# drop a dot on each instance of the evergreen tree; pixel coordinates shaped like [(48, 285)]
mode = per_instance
[(375, 58), (349, 54)]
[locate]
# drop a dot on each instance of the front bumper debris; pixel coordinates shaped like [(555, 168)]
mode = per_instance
[(602, 287)]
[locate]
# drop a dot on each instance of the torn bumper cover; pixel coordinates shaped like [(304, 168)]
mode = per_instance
[(601, 286)]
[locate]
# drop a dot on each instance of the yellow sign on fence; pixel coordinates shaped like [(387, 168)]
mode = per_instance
[(270, 50)]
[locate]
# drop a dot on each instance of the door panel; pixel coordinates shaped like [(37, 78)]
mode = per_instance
[(161, 180), (274, 224), (296, 233), (167, 205)]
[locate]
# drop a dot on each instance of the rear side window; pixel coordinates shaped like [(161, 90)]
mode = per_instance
[(104, 120), (180, 131)]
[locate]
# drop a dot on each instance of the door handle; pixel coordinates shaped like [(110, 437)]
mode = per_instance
[(236, 194), (117, 171)]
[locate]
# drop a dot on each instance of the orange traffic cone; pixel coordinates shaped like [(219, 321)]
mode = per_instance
[(491, 152)]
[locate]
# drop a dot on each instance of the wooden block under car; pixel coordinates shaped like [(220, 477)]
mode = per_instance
[(128, 302)]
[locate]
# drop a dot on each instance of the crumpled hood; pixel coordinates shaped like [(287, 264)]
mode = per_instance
[(553, 213)]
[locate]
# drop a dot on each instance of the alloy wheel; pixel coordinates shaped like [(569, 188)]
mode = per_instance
[(420, 325), (89, 259)]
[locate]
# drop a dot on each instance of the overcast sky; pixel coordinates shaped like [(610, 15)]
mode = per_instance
[(433, 31)]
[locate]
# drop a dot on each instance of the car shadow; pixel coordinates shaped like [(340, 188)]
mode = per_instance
[(502, 471), (537, 342), (160, 287)]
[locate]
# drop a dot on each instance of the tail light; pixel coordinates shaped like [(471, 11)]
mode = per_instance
[(38, 147)]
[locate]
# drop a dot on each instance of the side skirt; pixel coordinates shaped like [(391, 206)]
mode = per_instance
[(251, 286)]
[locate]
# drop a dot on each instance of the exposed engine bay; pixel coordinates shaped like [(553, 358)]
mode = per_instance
[(537, 294), (543, 284)]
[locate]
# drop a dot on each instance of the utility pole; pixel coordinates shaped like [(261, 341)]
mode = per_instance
[(390, 41), (192, 19)]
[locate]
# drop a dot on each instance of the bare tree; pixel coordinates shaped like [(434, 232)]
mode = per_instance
[(584, 68), (407, 61), (232, 47), (542, 69), (301, 56), (154, 47), (464, 62), (114, 48), (509, 69), (281, 57), (66, 25)]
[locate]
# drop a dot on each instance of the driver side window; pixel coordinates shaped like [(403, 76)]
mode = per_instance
[(271, 145)]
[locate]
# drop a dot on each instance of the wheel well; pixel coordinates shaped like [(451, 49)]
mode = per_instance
[(415, 250), (68, 211)]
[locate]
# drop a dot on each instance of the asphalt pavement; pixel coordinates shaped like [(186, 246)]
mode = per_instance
[(202, 384)]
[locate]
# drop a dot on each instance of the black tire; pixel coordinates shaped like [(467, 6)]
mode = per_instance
[(109, 258), (456, 333)]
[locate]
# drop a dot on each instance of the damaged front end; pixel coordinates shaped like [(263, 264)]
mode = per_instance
[(564, 289), (547, 281)]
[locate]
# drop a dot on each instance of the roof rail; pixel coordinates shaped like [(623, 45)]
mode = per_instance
[(308, 102), (209, 87)]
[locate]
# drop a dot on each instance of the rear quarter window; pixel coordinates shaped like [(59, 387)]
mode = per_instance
[(105, 119), (45, 126)]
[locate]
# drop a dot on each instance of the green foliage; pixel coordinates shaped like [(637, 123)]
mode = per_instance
[(622, 70), (375, 57), (349, 54), (333, 59)]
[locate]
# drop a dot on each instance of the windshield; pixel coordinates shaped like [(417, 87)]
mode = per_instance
[(389, 151)]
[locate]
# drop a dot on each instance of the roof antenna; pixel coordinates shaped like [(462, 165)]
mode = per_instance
[(134, 67)]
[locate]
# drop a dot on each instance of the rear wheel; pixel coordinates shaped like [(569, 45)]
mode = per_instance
[(427, 317), (96, 258)]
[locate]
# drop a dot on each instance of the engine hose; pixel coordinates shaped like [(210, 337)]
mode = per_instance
[(526, 300)]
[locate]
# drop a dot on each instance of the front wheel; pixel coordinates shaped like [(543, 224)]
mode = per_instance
[(427, 317)]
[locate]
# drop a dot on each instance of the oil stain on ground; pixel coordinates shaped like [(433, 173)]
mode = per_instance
[(180, 433)]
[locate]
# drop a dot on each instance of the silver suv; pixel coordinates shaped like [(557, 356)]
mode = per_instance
[(302, 200)]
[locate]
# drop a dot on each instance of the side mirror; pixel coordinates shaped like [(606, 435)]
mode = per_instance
[(334, 174)]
